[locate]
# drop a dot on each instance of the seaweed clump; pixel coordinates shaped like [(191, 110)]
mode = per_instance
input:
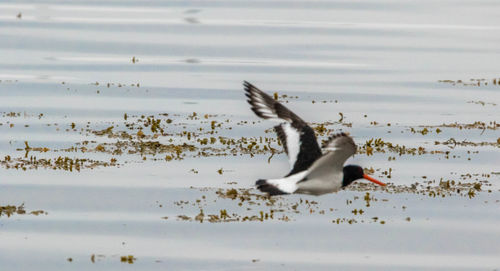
[(10, 210)]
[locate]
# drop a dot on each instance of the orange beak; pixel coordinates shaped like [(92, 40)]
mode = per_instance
[(373, 180)]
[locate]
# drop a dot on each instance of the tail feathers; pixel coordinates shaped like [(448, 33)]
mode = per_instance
[(287, 185), (271, 189)]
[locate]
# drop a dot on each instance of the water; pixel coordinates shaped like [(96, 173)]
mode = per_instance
[(380, 64)]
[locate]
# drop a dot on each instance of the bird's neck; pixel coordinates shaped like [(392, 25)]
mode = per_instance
[(348, 178)]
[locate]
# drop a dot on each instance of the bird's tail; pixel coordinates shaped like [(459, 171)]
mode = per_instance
[(269, 188), (282, 186)]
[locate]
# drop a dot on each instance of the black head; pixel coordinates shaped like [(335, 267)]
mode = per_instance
[(352, 173)]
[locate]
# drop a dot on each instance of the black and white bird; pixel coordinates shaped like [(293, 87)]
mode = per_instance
[(313, 171)]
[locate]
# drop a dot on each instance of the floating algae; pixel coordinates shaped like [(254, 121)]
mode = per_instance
[(9, 210), (243, 205), (130, 259)]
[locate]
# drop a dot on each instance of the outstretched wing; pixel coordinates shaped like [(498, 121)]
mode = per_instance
[(298, 139), (338, 148), (340, 143)]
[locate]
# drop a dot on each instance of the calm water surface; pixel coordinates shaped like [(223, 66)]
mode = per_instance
[(381, 64)]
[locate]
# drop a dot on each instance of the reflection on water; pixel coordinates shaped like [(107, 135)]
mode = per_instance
[(127, 125)]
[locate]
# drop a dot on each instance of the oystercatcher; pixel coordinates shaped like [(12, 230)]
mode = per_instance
[(312, 171)]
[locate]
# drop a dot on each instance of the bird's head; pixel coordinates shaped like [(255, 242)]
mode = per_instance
[(353, 172)]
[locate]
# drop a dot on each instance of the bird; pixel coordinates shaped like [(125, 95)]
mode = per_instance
[(314, 170)]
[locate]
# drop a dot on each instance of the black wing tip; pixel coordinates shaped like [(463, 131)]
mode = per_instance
[(257, 112), (248, 86), (260, 182), (270, 189), (259, 99), (249, 91), (252, 92)]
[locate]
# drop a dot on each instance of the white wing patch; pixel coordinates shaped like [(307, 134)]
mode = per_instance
[(292, 130), (288, 184), (292, 142)]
